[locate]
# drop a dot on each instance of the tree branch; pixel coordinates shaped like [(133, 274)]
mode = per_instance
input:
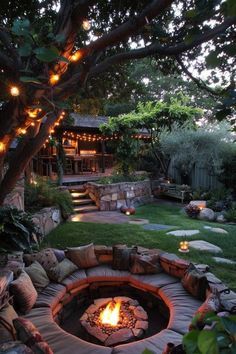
[(156, 48)]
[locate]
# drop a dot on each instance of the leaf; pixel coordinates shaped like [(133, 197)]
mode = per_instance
[(207, 342), (212, 60), (190, 341), (21, 27), (46, 54), (229, 325), (231, 7), (25, 50), (30, 79), (191, 13), (63, 105), (60, 38)]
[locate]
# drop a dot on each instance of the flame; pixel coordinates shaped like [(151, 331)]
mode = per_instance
[(110, 315)]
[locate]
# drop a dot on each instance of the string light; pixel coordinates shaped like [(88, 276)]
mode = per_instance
[(2, 147), (54, 79), (86, 25), (76, 56), (14, 91), (22, 131), (32, 124), (33, 113)]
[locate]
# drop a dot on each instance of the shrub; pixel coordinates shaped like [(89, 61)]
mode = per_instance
[(118, 178), (221, 199), (192, 210), (18, 231), (230, 214), (43, 193)]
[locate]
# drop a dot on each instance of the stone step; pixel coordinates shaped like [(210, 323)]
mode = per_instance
[(79, 195), (82, 201), (85, 209), (77, 188)]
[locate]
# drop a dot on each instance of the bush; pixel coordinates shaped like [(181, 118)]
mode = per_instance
[(230, 214), (221, 199), (118, 178), (192, 210), (201, 194), (18, 232), (43, 193)]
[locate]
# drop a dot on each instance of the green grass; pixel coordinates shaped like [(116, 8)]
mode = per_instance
[(76, 233)]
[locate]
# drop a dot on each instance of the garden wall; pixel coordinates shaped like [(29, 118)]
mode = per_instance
[(16, 197), (47, 219), (114, 196)]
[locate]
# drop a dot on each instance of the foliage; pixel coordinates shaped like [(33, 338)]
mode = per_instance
[(217, 336), (221, 199), (42, 193), (228, 174), (18, 232), (192, 210), (205, 146), (230, 214), (118, 178), (201, 194)]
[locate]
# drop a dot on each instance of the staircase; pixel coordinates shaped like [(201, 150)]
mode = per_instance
[(82, 203)]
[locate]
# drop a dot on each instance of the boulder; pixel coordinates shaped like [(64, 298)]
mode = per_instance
[(206, 214), (200, 203), (220, 218)]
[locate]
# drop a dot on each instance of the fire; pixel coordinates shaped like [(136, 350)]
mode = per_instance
[(110, 315)]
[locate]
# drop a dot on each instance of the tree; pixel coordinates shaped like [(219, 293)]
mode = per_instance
[(154, 117), (47, 56)]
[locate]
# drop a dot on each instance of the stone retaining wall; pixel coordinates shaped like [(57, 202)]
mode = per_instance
[(114, 196), (16, 197), (47, 219)]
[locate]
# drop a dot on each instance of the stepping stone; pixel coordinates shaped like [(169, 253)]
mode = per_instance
[(223, 260), (157, 227), (181, 233), (204, 246), (217, 230), (139, 221)]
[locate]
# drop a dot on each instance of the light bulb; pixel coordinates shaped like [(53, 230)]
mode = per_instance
[(14, 91), (86, 25)]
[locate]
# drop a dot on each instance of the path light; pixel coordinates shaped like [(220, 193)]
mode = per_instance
[(127, 212), (86, 25), (54, 79), (14, 91), (184, 246)]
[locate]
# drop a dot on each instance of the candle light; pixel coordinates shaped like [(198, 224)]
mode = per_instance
[(127, 212), (184, 246), (14, 91)]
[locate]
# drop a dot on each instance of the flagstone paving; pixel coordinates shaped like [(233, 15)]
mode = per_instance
[(204, 246), (157, 227), (223, 260), (182, 233)]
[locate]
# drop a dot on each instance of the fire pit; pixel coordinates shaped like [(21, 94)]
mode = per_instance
[(115, 320)]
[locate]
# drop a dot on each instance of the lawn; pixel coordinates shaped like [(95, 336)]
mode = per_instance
[(76, 233)]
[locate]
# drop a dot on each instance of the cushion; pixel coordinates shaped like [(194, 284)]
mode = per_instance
[(173, 265), (62, 270), (14, 266), (15, 347), (83, 256), (41, 348), (50, 296), (76, 279), (7, 330), (38, 275), (60, 254), (195, 282), (152, 282), (46, 258), (121, 257), (24, 292), (27, 333), (145, 264), (106, 273), (228, 300)]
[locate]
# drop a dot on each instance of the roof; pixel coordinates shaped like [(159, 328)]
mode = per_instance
[(88, 121)]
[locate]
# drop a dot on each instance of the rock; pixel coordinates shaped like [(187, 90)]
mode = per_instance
[(140, 314), (223, 260), (207, 227), (200, 203), (139, 221), (91, 309), (204, 246), (102, 301), (202, 267), (95, 331), (84, 317), (218, 230), (141, 325), (220, 218), (182, 233), (138, 332), (206, 214), (123, 335)]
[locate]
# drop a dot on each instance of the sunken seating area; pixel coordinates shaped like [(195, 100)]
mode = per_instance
[(96, 272)]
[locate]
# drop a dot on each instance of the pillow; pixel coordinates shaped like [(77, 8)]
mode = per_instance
[(41, 348), (60, 254), (145, 264), (83, 256), (195, 282), (38, 275), (7, 330), (27, 332), (14, 266), (228, 300), (15, 347), (121, 257), (173, 265), (62, 270), (24, 292), (46, 258)]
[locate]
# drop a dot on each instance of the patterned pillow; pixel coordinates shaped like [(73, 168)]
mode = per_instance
[(14, 266), (24, 292), (41, 348), (228, 300), (15, 347), (83, 256), (60, 254), (46, 258), (145, 264), (38, 275), (62, 270), (121, 256), (7, 330), (195, 282), (27, 333)]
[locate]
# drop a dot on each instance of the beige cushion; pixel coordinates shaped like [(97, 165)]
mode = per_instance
[(50, 296), (46, 258), (62, 270), (7, 330), (83, 256), (76, 279), (24, 292), (156, 343), (38, 275)]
